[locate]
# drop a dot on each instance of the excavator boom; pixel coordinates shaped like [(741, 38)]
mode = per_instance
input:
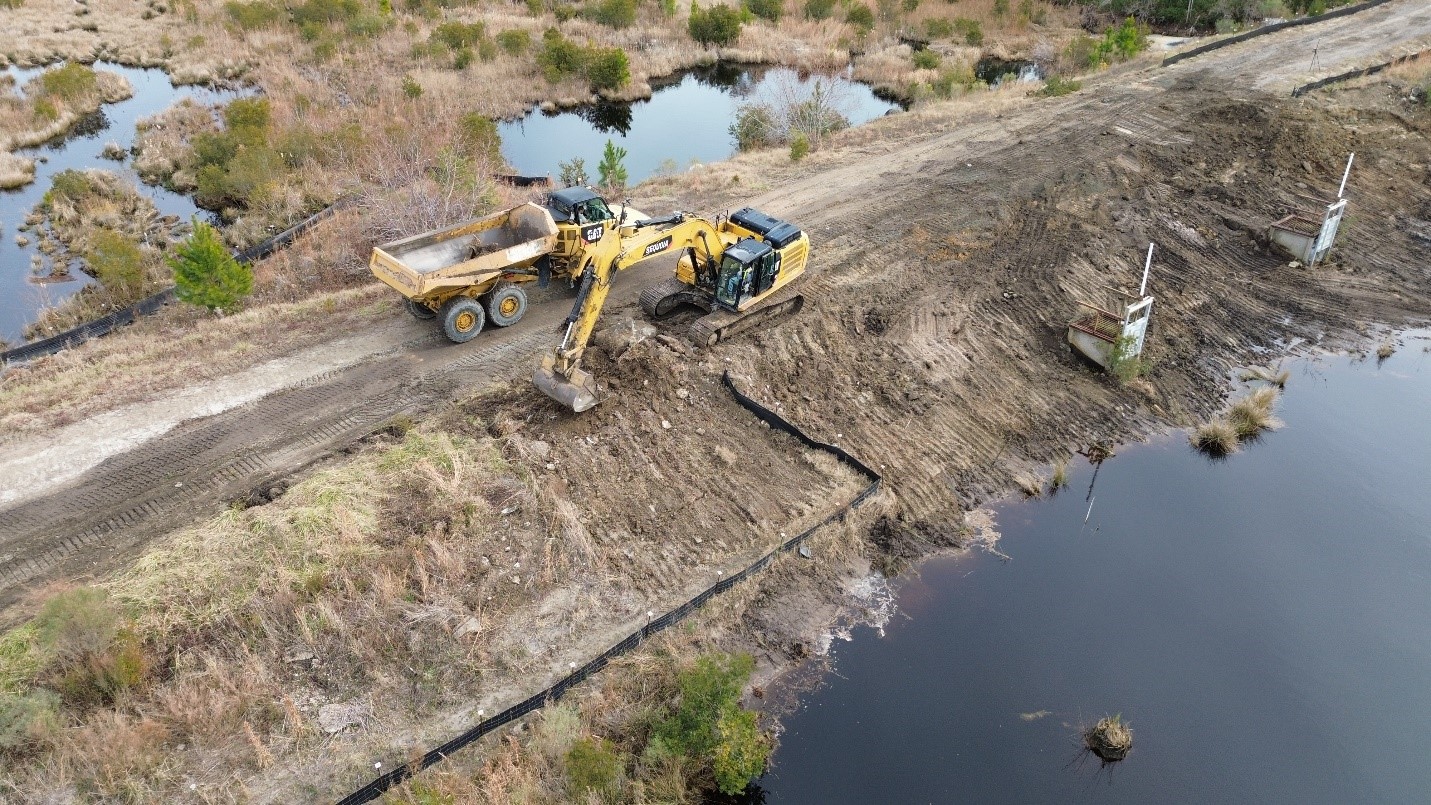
[(561, 376)]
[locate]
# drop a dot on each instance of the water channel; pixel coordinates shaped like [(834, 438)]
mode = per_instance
[(685, 121), (1263, 623), (79, 149)]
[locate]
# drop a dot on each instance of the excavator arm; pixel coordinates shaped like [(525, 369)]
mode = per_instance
[(561, 376)]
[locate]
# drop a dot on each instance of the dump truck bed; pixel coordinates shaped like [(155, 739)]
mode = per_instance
[(473, 253)]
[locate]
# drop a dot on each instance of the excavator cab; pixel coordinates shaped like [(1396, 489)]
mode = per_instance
[(747, 270)]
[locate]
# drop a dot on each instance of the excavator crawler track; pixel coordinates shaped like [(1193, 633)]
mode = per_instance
[(662, 299), (713, 328)]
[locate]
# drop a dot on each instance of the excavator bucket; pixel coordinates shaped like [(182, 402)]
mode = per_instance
[(577, 393)]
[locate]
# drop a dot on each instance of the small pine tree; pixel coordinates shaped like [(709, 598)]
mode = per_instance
[(205, 274), (573, 172), (612, 168)]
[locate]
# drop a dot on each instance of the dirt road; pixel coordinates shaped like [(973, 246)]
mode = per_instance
[(946, 263)]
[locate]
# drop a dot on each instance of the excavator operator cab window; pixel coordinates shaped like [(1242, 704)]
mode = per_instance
[(593, 211), (577, 205), (746, 270)]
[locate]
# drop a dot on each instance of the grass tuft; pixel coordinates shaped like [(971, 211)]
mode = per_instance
[(1216, 439), (1110, 739)]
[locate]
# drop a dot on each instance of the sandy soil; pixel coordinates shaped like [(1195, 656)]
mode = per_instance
[(948, 257)]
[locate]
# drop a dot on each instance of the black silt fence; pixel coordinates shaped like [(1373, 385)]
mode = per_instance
[(1350, 74), (1271, 29), (144, 307), (378, 786)]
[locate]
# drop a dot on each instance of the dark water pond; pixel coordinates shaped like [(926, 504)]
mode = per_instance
[(1263, 623), (20, 297), (684, 121), (993, 70)]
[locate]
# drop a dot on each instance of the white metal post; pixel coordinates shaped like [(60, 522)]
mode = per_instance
[(1345, 174), (1143, 289)]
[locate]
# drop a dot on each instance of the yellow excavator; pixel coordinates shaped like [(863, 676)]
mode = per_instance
[(738, 268)]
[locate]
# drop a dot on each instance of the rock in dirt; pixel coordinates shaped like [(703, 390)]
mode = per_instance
[(334, 718)]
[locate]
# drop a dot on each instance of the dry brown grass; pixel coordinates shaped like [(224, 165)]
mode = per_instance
[(15, 171), (178, 348), (1216, 439), (1109, 739), (388, 572), (1252, 415), (162, 143)]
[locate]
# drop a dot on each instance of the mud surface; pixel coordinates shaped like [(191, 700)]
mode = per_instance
[(931, 344)]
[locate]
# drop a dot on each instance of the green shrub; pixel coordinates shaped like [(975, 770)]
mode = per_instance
[(861, 17), (766, 9), (614, 13), (819, 9), (205, 274), (258, 14), (938, 28), (593, 765), (462, 58), (366, 26), (75, 624), (411, 88), (754, 127), (607, 68), (27, 718), (68, 83), (248, 119), (1001, 8), (457, 35), (89, 655), (961, 76), (799, 147), (709, 725), (515, 42), (45, 109), (572, 173), (926, 59), (69, 186), (559, 57), (11, 3), (973, 32), (479, 137), (740, 751), (718, 25), (1119, 44), (1057, 86), (324, 12), (116, 262)]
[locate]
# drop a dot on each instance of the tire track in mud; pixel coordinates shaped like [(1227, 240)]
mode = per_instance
[(184, 474)]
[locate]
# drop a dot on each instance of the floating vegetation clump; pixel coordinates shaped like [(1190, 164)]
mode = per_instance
[(1245, 421), (1109, 739), (1216, 439)]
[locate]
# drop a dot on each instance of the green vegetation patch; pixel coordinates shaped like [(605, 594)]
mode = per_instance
[(561, 59), (718, 25)]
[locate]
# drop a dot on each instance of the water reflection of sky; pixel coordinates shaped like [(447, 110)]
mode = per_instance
[(1262, 622), (20, 297), (683, 122)]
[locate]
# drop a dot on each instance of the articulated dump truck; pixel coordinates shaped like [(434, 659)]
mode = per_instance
[(737, 268), (471, 273)]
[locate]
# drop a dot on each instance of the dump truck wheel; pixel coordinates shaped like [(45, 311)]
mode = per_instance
[(462, 319), (506, 304), (419, 310)]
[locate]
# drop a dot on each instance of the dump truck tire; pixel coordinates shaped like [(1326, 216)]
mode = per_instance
[(462, 319), (506, 304), (420, 311)]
